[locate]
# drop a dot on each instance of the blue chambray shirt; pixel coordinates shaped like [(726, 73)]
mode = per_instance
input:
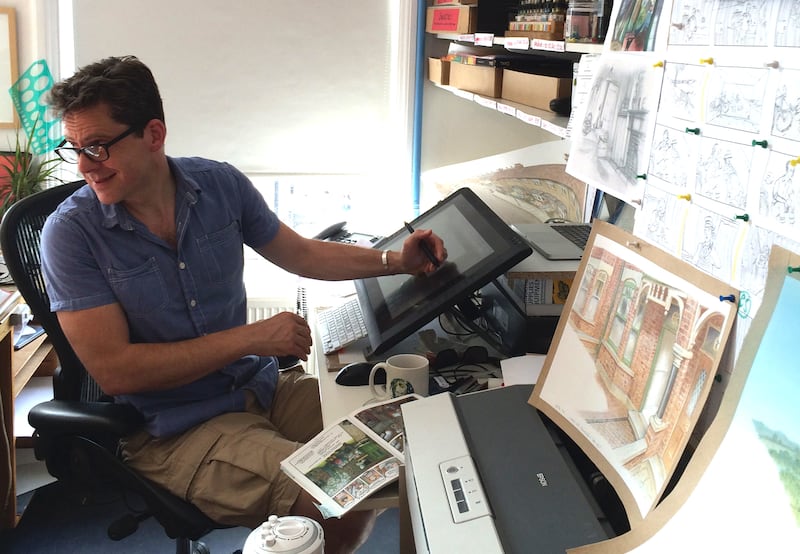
[(94, 255)]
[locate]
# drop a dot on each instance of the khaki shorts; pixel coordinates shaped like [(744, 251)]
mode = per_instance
[(229, 466)]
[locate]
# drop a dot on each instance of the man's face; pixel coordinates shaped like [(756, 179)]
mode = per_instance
[(117, 178)]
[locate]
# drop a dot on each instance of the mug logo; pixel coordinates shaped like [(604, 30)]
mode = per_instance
[(401, 387)]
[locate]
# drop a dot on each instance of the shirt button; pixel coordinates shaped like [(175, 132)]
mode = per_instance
[(193, 303), (182, 265)]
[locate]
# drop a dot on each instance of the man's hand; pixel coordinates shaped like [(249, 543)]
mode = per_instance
[(285, 334), (413, 257)]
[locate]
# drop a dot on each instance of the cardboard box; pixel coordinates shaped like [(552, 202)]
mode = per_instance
[(534, 90), (480, 79), (452, 19), (439, 71)]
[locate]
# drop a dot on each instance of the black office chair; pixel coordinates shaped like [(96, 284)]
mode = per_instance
[(77, 433)]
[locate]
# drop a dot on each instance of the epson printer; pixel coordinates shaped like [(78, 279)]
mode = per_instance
[(486, 472)]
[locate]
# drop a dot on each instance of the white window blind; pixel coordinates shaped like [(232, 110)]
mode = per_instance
[(268, 85)]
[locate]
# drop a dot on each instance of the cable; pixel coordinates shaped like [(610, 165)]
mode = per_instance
[(7, 444)]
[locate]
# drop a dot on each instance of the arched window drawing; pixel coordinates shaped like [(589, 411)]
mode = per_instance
[(698, 388), (711, 342), (661, 369), (636, 327), (583, 291), (621, 313), (594, 298)]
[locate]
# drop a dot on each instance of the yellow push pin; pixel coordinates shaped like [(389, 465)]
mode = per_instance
[(709, 61), (686, 196)]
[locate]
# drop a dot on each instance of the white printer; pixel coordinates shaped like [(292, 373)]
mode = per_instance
[(485, 475)]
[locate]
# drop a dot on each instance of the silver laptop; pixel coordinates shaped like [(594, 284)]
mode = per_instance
[(558, 241)]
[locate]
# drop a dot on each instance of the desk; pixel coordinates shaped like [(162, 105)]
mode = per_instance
[(16, 369), (339, 401)]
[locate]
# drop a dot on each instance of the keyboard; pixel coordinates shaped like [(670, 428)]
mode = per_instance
[(340, 325), (578, 234)]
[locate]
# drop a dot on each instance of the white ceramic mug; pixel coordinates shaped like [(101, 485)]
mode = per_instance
[(405, 373)]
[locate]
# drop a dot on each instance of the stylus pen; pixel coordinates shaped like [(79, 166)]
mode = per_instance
[(423, 245)]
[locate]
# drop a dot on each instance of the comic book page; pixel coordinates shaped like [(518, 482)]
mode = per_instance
[(353, 458)]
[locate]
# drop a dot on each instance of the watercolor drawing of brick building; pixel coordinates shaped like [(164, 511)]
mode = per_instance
[(639, 353)]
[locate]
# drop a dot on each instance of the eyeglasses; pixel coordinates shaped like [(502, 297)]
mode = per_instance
[(95, 152)]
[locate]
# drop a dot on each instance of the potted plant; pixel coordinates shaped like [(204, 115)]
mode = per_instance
[(24, 173)]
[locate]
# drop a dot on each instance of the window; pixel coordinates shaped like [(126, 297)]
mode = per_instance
[(621, 314), (312, 102), (597, 293), (636, 328)]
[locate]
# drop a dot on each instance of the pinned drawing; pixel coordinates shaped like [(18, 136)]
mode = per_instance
[(754, 264), (723, 171), (742, 22), (779, 197), (786, 115), (680, 93), (528, 185), (691, 23), (787, 28), (611, 141), (635, 24), (735, 97), (709, 242), (661, 219), (633, 361), (671, 157)]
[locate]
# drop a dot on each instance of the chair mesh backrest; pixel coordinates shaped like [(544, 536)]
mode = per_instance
[(20, 235)]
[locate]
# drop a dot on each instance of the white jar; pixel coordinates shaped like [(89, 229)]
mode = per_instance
[(286, 535)]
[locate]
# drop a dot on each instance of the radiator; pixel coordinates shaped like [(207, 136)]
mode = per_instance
[(263, 308)]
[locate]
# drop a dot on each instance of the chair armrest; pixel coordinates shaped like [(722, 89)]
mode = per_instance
[(65, 417)]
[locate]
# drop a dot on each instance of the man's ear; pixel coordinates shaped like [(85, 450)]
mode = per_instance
[(156, 133)]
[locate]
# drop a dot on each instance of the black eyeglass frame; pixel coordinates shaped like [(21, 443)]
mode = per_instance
[(88, 150)]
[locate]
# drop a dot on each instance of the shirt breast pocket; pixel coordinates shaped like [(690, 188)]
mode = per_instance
[(140, 290), (221, 252)]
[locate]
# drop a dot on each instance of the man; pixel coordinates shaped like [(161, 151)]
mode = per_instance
[(144, 269)]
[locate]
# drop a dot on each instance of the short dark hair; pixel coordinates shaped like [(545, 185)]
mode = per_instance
[(124, 84)]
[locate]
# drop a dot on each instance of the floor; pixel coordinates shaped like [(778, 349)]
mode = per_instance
[(59, 520)]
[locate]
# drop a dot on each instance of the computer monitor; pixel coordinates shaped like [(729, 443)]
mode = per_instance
[(480, 247)]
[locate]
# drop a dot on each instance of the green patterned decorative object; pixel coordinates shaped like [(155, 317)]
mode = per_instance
[(29, 95)]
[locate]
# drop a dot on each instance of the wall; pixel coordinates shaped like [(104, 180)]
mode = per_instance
[(455, 130)]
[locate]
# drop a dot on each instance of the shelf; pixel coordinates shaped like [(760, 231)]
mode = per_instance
[(553, 123), (560, 48), (584, 47), (26, 361)]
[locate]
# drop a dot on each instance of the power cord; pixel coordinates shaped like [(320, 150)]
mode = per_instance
[(7, 444)]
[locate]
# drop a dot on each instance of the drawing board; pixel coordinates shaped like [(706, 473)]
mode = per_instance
[(633, 360), (739, 492)]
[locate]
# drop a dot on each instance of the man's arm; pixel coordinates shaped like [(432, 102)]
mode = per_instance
[(100, 338), (335, 261)]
